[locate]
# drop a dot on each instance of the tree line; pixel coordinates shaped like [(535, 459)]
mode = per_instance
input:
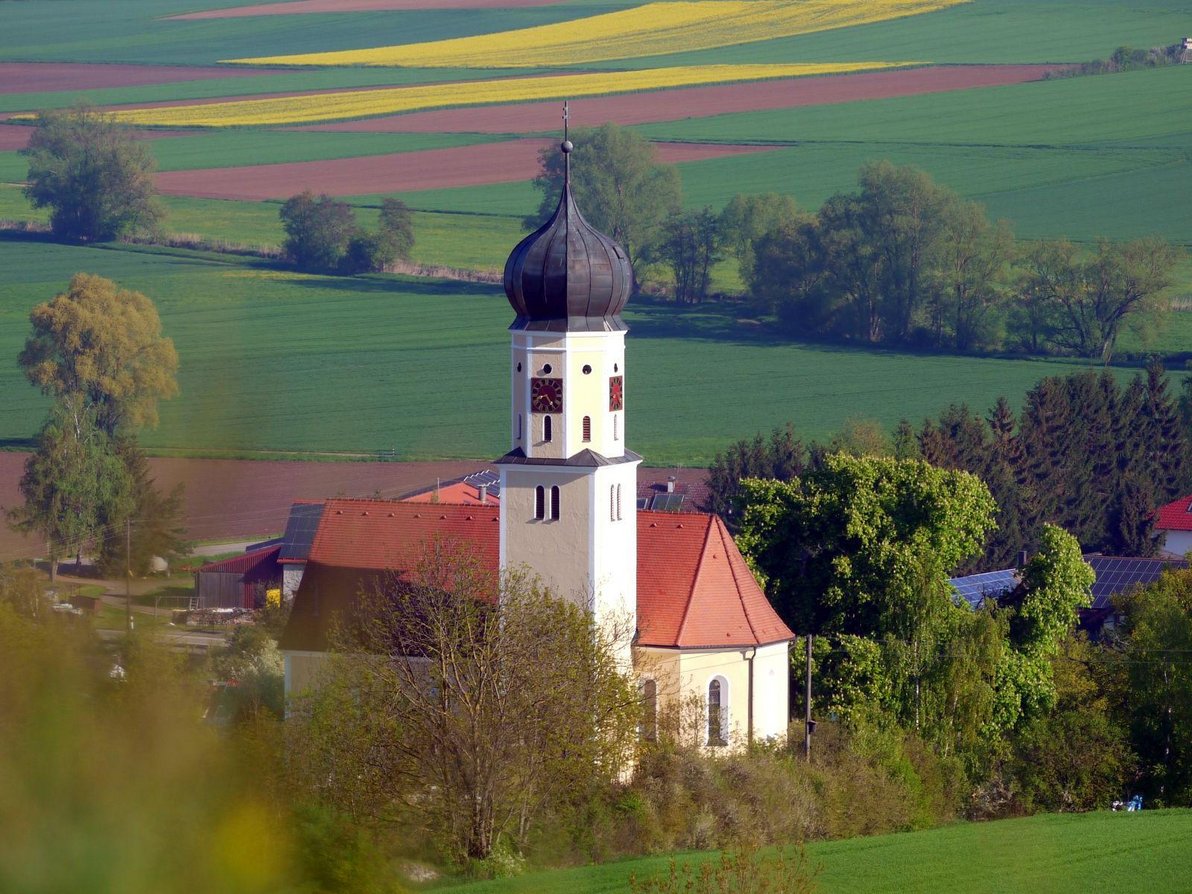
[(1084, 453), (901, 261)]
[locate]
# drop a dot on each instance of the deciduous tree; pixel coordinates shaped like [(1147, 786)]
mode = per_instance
[(102, 348), (318, 230), (690, 245), (95, 179)]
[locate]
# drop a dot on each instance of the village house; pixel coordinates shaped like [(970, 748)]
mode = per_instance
[(703, 631)]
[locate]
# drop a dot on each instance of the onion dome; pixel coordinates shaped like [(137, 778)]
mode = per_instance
[(566, 276)]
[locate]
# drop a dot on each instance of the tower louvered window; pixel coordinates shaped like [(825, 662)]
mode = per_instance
[(587, 428)]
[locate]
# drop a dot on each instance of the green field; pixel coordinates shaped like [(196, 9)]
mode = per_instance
[(277, 360), (1052, 854)]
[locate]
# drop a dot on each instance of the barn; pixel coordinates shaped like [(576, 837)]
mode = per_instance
[(241, 581)]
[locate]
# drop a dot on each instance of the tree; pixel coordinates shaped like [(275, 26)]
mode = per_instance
[(1087, 301), (20, 589), (746, 218), (318, 231), (781, 457), (95, 179), (623, 190), (101, 347), (691, 246), (371, 252), (73, 482), (971, 266), (152, 526), (496, 703)]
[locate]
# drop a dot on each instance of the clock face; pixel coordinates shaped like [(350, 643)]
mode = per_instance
[(546, 395), (616, 393)]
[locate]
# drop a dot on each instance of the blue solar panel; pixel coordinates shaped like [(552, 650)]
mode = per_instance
[(300, 530), (1118, 575), (487, 478), (975, 588)]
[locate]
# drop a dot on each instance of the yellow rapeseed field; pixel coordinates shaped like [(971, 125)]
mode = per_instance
[(649, 30), (391, 100)]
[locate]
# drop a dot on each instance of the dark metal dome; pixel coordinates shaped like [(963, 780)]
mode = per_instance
[(567, 276)]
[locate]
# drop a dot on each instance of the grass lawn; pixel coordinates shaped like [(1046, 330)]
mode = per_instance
[(1053, 854)]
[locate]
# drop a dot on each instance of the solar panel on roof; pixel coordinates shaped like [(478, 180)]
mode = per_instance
[(1117, 575), (300, 530), (976, 588), (485, 478), (667, 502)]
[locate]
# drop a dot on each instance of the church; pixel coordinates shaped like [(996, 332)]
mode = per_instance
[(703, 630)]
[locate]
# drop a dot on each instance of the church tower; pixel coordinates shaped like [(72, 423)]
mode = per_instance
[(568, 482)]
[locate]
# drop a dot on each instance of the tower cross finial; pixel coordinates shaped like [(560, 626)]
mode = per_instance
[(566, 145)]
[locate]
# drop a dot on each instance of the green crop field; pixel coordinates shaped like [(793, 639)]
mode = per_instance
[(276, 360), (1055, 854)]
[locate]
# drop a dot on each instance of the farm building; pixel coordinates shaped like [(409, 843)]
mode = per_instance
[(241, 581), (1173, 527), (566, 504)]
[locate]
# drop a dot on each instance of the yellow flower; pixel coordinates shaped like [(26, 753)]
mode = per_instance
[(391, 100), (649, 30)]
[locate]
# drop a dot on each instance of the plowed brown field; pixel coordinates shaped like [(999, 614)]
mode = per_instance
[(405, 172), (229, 499), (52, 77), (699, 102), (305, 7)]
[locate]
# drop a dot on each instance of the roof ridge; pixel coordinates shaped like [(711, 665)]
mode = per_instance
[(692, 585), (732, 568)]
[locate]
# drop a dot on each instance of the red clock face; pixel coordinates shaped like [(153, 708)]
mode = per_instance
[(616, 393), (546, 395)]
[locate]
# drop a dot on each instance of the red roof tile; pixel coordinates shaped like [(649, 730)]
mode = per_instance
[(1175, 516), (694, 588), (390, 535), (460, 493), (258, 561)]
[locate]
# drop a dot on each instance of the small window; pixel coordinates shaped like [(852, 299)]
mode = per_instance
[(587, 428), (616, 430), (717, 713), (649, 727), (539, 502), (519, 426), (554, 502), (546, 429), (519, 367), (618, 502), (587, 370), (546, 369), (612, 503)]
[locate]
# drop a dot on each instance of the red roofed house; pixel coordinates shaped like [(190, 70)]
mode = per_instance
[(1173, 525), (568, 508)]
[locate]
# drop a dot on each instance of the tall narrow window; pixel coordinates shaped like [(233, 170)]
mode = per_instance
[(649, 727), (616, 430), (717, 713), (554, 501), (546, 434), (539, 502), (612, 502), (587, 428), (519, 426), (618, 502)]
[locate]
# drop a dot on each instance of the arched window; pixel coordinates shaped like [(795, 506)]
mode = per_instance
[(546, 434), (618, 502), (587, 428), (519, 426), (718, 712), (612, 502), (554, 501), (616, 430), (539, 502), (649, 727)]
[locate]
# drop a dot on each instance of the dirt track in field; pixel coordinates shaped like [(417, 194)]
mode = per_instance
[(305, 7), (228, 499), (54, 77), (507, 162), (699, 102)]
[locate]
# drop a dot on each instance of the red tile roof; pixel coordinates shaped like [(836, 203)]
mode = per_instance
[(390, 535), (1175, 516), (258, 562), (694, 588), (461, 493)]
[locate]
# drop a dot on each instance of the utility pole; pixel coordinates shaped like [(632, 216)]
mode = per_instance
[(128, 575), (808, 723)]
